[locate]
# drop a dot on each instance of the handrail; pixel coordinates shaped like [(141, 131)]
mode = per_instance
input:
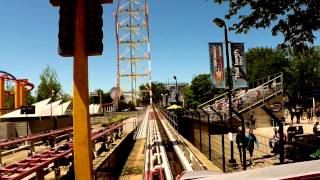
[(224, 94), (266, 77)]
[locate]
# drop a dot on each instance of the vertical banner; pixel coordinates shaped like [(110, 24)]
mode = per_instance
[(216, 64), (238, 65)]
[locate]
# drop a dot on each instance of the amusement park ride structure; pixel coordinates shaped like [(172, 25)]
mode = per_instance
[(20, 88), (133, 48)]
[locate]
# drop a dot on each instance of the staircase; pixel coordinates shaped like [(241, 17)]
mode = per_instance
[(242, 101)]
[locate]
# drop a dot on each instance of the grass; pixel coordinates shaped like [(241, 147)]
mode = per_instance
[(114, 120)]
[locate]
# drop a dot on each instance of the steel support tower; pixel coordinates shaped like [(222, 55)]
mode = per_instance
[(133, 48)]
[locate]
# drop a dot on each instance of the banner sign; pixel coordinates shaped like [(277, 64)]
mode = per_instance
[(238, 65), (216, 64)]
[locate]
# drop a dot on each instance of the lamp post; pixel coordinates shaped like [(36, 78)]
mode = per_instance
[(221, 24), (162, 100), (177, 96), (52, 92)]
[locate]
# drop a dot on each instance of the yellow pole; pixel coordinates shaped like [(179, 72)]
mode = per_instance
[(81, 124), (2, 95), (17, 95), (22, 94)]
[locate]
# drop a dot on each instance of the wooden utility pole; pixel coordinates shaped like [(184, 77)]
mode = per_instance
[(81, 123)]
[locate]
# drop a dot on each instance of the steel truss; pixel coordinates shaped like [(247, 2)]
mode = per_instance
[(133, 48)]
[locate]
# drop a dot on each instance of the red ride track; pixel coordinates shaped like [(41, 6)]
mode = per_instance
[(35, 137), (32, 164), (9, 77)]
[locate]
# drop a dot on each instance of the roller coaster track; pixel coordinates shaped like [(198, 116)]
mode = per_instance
[(38, 163), (167, 156), (9, 77)]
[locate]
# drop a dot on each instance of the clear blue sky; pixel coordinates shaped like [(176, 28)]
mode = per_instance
[(180, 32)]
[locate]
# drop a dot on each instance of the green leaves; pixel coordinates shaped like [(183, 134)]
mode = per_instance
[(200, 91), (49, 85), (296, 20), (301, 68), (157, 89)]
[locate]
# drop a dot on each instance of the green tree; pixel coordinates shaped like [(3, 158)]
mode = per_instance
[(144, 95), (49, 85), (158, 89), (301, 68), (189, 99), (105, 97), (304, 72), (30, 99), (296, 20), (66, 97), (200, 91), (9, 100), (262, 62)]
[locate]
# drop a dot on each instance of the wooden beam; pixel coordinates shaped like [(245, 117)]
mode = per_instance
[(17, 95), (81, 124)]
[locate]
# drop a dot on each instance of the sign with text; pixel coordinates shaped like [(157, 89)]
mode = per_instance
[(238, 65), (28, 109), (216, 64)]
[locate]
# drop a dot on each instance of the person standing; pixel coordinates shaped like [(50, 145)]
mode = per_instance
[(298, 116), (292, 113), (309, 115), (251, 139), (317, 113), (241, 142), (252, 121)]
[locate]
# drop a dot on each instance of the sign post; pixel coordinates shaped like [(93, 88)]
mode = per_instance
[(80, 35)]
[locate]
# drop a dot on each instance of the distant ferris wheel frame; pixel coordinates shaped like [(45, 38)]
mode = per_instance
[(133, 48)]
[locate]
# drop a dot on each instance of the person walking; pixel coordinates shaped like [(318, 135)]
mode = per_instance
[(241, 142), (292, 113), (309, 115), (251, 140), (252, 120), (317, 113), (298, 116)]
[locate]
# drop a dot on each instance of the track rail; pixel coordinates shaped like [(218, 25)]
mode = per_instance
[(35, 137), (32, 140), (38, 162), (156, 164)]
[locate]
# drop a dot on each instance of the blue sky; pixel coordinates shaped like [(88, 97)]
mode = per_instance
[(180, 31)]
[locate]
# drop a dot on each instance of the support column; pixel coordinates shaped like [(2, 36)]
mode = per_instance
[(2, 95), (22, 95), (81, 123), (17, 95)]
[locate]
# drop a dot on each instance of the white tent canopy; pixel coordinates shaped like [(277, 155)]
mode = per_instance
[(42, 109)]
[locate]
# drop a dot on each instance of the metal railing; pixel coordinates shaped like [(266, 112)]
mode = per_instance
[(173, 119), (38, 162), (188, 160)]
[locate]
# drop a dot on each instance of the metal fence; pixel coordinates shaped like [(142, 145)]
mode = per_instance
[(213, 140)]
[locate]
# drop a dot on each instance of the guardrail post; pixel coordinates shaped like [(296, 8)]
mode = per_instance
[(1, 157), (281, 148), (32, 147), (222, 139), (40, 174), (209, 135), (199, 116)]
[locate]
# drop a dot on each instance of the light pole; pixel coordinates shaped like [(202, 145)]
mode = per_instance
[(162, 100), (52, 92), (220, 23), (177, 96)]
